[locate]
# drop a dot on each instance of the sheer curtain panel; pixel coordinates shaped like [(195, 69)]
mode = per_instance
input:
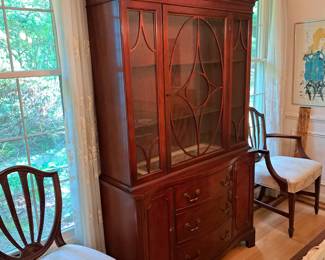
[(71, 23), (275, 68)]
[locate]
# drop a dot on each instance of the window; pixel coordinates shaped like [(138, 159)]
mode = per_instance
[(258, 58), (31, 112)]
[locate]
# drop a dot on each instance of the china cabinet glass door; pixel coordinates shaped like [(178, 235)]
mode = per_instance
[(194, 85), (144, 85), (239, 81)]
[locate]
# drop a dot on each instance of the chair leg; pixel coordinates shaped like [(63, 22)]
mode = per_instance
[(262, 193), (317, 191), (292, 201)]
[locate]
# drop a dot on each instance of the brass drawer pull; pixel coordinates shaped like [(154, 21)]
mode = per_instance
[(193, 227), (193, 198), (196, 256)]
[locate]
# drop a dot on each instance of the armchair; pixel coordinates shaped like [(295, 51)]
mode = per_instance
[(288, 175)]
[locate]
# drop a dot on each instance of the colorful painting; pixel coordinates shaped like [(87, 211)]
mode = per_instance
[(309, 64)]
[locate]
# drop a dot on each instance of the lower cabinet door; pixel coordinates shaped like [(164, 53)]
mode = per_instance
[(159, 229), (243, 200)]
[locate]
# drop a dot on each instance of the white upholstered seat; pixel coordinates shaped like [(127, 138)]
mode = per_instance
[(75, 252), (299, 173)]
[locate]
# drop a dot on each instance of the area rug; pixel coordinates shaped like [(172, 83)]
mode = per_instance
[(315, 242)]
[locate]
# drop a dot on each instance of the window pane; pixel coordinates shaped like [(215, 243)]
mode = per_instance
[(48, 151), (4, 53), (255, 30), (5, 245), (12, 153), (67, 213), (42, 104), (253, 78), (64, 173), (32, 40), (259, 78), (10, 120), (49, 207), (40, 4), (251, 101)]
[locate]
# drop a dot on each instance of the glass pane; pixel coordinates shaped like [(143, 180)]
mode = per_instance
[(196, 73), (40, 4), (5, 245), (239, 70), (32, 40), (48, 152), (42, 104), (10, 118), (12, 153), (253, 78), (49, 207), (144, 89), (64, 173), (67, 220), (20, 203), (255, 27), (4, 52)]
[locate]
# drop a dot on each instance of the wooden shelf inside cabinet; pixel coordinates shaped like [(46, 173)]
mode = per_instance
[(144, 123), (178, 156), (191, 63), (144, 66)]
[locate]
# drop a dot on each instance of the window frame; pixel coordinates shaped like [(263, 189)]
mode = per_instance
[(16, 75), (259, 62)]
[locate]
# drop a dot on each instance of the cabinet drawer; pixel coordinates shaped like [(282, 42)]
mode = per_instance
[(200, 220), (196, 191), (206, 247)]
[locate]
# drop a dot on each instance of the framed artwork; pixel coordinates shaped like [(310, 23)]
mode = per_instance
[(309, 64)]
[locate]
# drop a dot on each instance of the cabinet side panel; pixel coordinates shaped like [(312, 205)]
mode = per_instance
[(243, 194), (108, 74), (120, 222)]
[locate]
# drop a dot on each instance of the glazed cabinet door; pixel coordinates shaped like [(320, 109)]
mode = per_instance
[(194, 80), (240, 76), (143, 48)]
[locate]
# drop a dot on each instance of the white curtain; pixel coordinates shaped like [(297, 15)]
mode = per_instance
[(71, 23), (275, 68)]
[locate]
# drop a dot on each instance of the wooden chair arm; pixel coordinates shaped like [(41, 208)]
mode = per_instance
[(275, 135), (281, 181), (300, 152)]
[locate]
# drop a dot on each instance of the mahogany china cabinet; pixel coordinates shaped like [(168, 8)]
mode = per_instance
[(171, 83)]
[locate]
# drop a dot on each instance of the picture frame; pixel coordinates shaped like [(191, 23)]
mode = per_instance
[(309, 63)]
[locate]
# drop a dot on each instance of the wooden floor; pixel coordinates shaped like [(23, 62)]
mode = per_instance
[(272, 240)]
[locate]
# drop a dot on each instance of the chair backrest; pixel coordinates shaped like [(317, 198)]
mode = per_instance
[(257, 131), (28, 241)]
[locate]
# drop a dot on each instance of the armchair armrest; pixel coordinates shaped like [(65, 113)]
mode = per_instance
[(300, 151), (282, 182), (275, 135)]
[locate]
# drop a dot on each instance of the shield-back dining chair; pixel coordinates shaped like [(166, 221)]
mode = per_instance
[(28, 241)]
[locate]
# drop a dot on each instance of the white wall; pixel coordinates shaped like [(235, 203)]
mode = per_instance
[(300, 11)]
